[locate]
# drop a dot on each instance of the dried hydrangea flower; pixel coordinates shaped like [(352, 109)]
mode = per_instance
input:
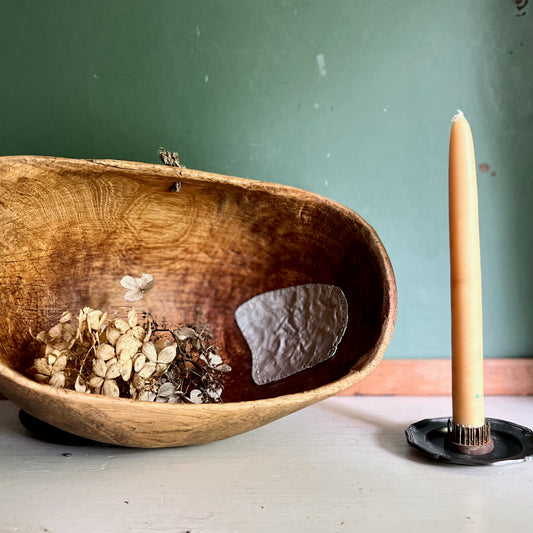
[(50, 369), (137, 287), (104, 376)]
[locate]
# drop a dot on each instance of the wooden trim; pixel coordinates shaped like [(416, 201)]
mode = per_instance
[(432, 377)]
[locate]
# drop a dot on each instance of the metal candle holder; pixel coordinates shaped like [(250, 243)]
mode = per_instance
[(502, 442)]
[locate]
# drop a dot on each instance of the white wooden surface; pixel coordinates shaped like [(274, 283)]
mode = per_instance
[(340, 466)]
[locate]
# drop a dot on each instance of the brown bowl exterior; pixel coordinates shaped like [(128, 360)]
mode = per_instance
[(71, 229)]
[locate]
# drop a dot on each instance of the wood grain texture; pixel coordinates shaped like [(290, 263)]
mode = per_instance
[(70, 229), (432, 377)]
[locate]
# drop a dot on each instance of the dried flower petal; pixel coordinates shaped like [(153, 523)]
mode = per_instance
[(79, 386), (42, 367), (185, 333), (96, 382), (138, 382), (147, 370), (122, 325), (138, 286), (127, 345), (139, 362), (58, 380), (99, 368), (110, 388), (166, 389), (150, 351), (126, 369), (65, 317), (55, 331), (196, 396), (95, 319), (139, 333), (112, 334), (168, 354), (60, 364), (113, 371), (105, 352), (132, 317)]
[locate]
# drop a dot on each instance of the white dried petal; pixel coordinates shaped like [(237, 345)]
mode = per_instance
[(99, 367), (138, 382), (42, 336), (51, 358), (68, 329), (94, 319), (113, 371), (96, 382), (65, 317), (105, 352), (60, 364), (147, 370), (139, 362), (112, 334), (42, 367), (79, 386), (224, 368), (58, 380), (167, 355), (122, 325), (127, 346), (166, 389), (132, 317), (126, 369), (149, 351), (134, 295), (139, 333), (110, 388), (196, 396), (56, 331), (185, 333), (214, 360)]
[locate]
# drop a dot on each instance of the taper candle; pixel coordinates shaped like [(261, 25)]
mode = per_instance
[(465, 266)]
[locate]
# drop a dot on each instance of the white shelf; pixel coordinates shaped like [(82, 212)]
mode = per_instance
[(342, 465)]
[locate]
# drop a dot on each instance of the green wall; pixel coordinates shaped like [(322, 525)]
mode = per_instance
[(351, 99)]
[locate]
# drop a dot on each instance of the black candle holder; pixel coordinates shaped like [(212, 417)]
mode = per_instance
[(512, 443)]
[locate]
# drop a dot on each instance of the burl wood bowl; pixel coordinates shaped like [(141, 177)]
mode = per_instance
[(71, 229)]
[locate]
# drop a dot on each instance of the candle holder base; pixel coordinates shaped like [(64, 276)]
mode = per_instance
[(512, 443)]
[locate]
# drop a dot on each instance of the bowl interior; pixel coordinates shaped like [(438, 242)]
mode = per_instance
[(72, 229)]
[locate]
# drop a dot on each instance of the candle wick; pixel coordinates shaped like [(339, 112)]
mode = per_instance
[(458, 115)]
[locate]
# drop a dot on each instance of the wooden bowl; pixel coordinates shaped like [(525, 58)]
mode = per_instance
[(70, 229)]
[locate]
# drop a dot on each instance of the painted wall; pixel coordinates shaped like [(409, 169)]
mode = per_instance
[(346, 98)]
